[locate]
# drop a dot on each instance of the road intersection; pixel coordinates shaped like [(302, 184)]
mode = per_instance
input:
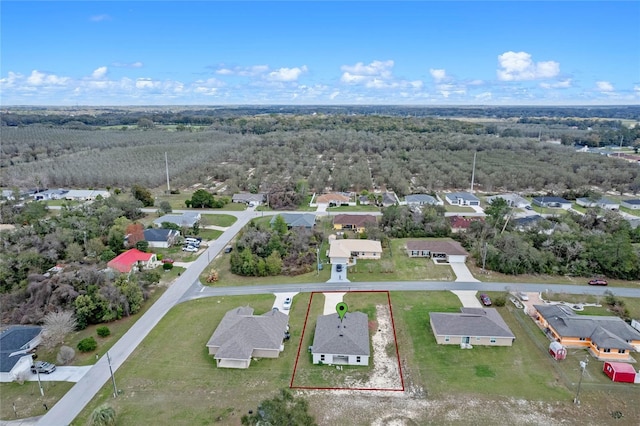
[(187, 287)]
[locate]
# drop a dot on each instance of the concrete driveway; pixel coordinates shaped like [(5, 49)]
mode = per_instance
[(468, 298), (462, 272), (338, 277), (62, 374), (279, 302), (330, 302)]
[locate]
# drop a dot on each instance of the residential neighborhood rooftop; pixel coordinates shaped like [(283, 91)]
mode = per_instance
[(450, 247), (349, 336), (470, 322)]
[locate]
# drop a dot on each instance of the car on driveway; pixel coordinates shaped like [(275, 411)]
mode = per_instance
[(228, 249), (523, 296), (486, 301), (339, 267), (43, 367), (190, 248), (287, 304), (598, 281)]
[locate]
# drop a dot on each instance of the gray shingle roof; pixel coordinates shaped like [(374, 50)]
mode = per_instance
[(463, 195), (439, 246), (483, 322), (569, 324), (12, 340), (420, 199), (347, 337), (293, 220), (240, 332), (158, 234)]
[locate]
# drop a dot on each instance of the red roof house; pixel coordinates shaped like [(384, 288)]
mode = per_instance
[(461, 223), (126, 261), (619, 372)]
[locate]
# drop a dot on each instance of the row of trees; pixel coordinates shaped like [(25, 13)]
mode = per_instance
[(263, 251)]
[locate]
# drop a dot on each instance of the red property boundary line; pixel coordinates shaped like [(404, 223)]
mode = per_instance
[(395, 339)]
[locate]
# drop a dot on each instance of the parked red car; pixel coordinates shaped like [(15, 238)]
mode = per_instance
[(597, 281), (486, 301), (167, 260)]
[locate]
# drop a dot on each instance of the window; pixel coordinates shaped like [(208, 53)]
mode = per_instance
[(477, 338), (606, 350), (583, 339), (446, 338), (321, 357), (621, 351), (492, 340), (358, 359)]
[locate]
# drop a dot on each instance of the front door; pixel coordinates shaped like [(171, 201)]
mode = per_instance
[(465, 340)]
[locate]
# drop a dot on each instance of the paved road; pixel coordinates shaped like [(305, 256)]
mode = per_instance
[(68, 408), (187, 287)]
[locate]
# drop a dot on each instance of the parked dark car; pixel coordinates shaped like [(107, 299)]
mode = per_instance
[(339, 267), (598, 281), (43, 367), (228, 249), (486, 301)]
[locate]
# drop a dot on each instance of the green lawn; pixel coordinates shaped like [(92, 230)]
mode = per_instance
[(630, 211), (395, 265), (458, 209), (170, 379), (218, 220), (358, 208)]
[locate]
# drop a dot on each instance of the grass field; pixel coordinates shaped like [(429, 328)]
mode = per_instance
[(224, 220), (170, 379)]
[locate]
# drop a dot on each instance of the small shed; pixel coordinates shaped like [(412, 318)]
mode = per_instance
[(557, 351), (620, 372)]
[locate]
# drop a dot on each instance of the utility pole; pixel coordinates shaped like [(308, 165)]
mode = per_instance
[(318, 261), (39, 382), (473, 170), (484, 255), (113, 379), (583, 366), (166, 165)]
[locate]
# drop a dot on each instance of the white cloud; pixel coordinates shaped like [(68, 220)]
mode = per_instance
[(38, 78), (518, 66), (287, 74), (484, 96), (562, 84), (604, 86), (145, 83), (376, 75), (334, 95), (100, 18), (250, 71), (137, 64), (438, 74), (99, 73)]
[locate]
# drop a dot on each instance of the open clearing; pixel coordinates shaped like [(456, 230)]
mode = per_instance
[(171, 380)]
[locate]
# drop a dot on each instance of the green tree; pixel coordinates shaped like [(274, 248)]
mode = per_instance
[(202, 199), (145, 124), (165, 207), (283, 409), (280, 225), (497, 212), (74, 252), (104, 415), (143, 195)]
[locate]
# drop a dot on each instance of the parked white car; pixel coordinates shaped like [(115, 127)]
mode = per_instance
[(523, 296), (287, 304), (190, 249)]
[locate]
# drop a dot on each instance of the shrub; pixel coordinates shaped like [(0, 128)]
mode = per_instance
[(500, 300), (65, 355), (167, 266), (103, 331), (87, 345), (213, 276)]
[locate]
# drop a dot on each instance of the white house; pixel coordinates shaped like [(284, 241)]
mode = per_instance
[(603, 203), (187, 219), (631, 204), (442, 250), (161, 238), (462, 199), (343, 341), (348, 251), (552, 202), (513, 200), (421, 200), (85, 194)]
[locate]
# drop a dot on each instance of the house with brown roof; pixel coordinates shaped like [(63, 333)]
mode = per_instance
[(333, 198), (343, 341), (449, 251), (471, 326), (606, 337), (353, 222), (461, 223), (241, 335)]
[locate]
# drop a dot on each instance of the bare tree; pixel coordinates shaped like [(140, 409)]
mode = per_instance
[(56, 326), (65, 355)]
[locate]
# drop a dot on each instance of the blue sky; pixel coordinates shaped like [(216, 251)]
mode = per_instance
[(295, 52)]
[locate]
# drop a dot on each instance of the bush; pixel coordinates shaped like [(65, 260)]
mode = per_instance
[(65, 355), (87, 345), (103, 331), (167, 266), (212, 277), (500, 300)]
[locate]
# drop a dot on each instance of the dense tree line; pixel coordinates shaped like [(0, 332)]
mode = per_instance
[(404, 154), (264, 251), (597, 243), (406, 222), (83, 238)]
